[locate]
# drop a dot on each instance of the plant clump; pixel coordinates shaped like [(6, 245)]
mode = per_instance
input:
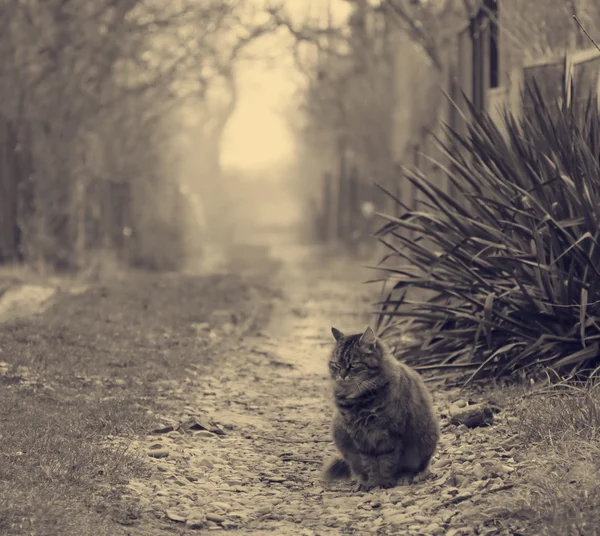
[(502, 275)]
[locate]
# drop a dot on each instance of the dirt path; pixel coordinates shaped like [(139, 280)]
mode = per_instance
[(257, 471)]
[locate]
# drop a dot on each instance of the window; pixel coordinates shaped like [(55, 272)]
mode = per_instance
[(492, 8)]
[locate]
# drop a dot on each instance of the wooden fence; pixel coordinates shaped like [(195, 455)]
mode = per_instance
[(583, 66)]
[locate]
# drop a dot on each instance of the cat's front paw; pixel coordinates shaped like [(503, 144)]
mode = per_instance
[(405, 480), (387, 483), (362, 486)]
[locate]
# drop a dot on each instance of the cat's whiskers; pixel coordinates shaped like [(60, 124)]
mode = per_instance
[(366, 385)]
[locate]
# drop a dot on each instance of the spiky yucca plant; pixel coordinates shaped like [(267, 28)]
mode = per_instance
[(511, 261)]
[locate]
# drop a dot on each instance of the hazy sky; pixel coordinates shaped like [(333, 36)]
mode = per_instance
[(257, 137)]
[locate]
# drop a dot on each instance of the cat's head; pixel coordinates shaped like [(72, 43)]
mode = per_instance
[(356, 362)]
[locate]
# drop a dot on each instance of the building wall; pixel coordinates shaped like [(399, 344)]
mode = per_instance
[(532, 32)]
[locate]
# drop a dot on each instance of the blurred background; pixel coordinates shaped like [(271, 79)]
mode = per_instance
[(156, 133)]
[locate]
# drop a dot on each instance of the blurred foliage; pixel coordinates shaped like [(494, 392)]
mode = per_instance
[(95, 91)]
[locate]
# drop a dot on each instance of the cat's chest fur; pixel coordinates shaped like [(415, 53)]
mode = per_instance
[(370, 426)]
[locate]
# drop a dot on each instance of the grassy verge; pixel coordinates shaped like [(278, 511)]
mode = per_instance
[(560, 432), (90, 367)]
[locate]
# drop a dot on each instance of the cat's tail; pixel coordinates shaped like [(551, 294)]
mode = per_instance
[(336, 469)]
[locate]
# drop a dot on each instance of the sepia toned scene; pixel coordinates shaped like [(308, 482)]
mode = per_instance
[(299, 267)]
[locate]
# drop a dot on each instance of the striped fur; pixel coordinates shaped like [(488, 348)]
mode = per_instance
[(384, 426)]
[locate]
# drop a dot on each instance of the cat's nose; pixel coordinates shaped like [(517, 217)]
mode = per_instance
[(343, 374)]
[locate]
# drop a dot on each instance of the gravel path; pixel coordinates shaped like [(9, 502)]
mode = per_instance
[(254, 435)]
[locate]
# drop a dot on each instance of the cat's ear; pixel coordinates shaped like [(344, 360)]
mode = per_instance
[(368, 338), (337, 334)]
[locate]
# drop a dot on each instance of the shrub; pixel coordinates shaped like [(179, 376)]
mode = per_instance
[(504, 274)]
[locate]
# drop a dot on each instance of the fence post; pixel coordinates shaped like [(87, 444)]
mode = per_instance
[(353, 207), (515, 95), (342, 205), (325, 227), (9, 182)]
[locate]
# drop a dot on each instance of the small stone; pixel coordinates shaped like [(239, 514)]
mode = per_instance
[(434, 528), (447, 516), (429, 503), (221, 506), (227, 328), (216, 518), (473, 416), (456, 407), (205, 434), (463, 496), (196, 520), (460, 481), (164, 430), (158, 453), (408, 501), (175, 515), (496, 482), (399, 519), (479, 471), (138, 487), (440, 464)]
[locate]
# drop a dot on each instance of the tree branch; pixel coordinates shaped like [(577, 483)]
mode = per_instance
[(416, 31)]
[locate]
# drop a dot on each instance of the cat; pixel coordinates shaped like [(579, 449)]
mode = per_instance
[(385, 426)]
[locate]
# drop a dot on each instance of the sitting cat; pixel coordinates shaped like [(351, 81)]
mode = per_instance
[(385, 426)]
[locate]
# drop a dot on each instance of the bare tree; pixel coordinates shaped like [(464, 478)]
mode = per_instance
[(97, 86)]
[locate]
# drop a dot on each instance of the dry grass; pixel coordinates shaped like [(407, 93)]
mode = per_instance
[(90, 367), (560, 433), (55, 478)]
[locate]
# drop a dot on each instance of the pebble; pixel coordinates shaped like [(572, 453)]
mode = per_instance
[(441, 463), (158, 453), (479, 471), (221, 506), (196, 522), (217, 518), (472, 416), (434, 528), (175, 515), (205, 434), (399, 519)]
